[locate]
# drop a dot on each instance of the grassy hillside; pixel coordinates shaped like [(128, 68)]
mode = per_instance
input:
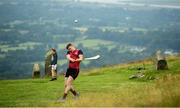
[(107, 86)]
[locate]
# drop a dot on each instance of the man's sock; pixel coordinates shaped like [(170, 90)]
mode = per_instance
[(73, 92), (65, 95)]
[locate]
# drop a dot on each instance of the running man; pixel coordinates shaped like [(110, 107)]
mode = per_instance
[(74, 56)]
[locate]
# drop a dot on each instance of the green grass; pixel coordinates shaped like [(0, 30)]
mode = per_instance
[(106, 86)]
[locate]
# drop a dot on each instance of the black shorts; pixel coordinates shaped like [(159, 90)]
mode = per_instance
[(72, 72)]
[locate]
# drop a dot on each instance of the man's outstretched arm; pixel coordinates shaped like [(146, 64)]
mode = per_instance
[(81, 57)]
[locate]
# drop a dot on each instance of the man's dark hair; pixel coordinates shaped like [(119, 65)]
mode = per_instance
[(68, 45)]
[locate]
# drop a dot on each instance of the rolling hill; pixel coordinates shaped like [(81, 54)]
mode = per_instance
[(127, 31), (106, 86)]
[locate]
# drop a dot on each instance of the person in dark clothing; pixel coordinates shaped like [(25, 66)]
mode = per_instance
[(54, 59)]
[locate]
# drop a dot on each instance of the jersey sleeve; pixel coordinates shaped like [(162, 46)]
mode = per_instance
[(80, 52), (68, 52)]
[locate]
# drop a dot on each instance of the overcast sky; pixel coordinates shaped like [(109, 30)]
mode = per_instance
[(105, 1), (134, 3)]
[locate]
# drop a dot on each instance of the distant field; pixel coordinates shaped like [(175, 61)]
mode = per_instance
[(108, 86), (22, 46), (90, 43)]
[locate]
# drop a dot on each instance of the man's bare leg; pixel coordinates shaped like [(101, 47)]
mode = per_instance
[(68, 85), (73, 91), (72, 88)]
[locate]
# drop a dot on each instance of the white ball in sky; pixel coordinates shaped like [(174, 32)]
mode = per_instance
[(76, 21)]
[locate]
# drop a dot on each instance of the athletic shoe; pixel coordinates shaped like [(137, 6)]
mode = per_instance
[(61, 100), (53, 79), (77, 95)]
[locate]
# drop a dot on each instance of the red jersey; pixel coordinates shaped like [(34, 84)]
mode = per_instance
[(75, 55)]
